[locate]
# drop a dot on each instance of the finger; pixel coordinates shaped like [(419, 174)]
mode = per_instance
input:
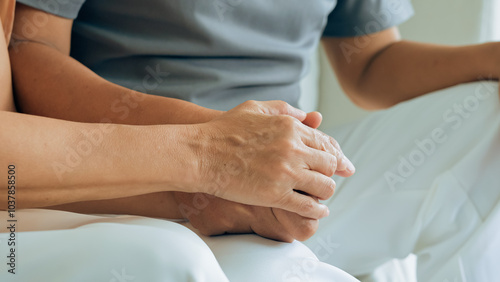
[(268, 226), (320, 161), (316, 184), (300, 228), (313, 119), (318, 140), (344, 173), (276, 108), (303, 205)]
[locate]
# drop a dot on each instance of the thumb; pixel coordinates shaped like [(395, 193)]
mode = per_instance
[(313, 120)]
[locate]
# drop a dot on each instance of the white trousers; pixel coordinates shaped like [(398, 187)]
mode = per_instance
[(427, 182), (60, 246)]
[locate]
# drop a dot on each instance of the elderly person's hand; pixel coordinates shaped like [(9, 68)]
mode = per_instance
[(216, 216), (260, 153)]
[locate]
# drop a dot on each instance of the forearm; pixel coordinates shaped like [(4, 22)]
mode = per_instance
[(405, 70), (68, 90), (6, 98), (158, 205), (135, 108), (63, 162)]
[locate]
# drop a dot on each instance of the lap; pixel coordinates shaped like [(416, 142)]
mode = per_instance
[(110, 245), (251, 258), (61, 246)]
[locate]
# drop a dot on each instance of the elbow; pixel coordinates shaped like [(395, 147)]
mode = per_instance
[(369, 100)]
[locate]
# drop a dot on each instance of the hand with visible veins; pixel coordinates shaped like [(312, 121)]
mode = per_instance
[(215, 216), (260, 153)]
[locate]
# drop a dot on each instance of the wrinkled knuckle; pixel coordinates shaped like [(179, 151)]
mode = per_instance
[(282, 174), (317, 139), (327, 188), (287, 122), (307, 206), (332, 165), (330, 187), (281, 201), (286, 146), (334, 162), (329, 171), (282, 105), (323, 141), (334, 143), (251, 104), (282, 167), (337, 153)]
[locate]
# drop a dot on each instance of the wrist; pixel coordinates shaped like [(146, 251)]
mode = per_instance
[(202, 141), (157, 158), (209, 115), (185, 157)]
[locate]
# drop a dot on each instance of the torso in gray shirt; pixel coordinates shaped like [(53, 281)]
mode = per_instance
[(215, 53)]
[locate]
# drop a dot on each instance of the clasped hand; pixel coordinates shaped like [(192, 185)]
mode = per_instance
[(267, 166)]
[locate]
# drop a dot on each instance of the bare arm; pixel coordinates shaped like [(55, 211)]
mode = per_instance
[(58, 162), (6, 97), (380, 70), (65, 162), (239, 157), (65, 84), (68, 90)]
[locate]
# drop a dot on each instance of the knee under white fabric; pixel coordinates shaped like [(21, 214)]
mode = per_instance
[(427, 182), (107, 251), (61, 246), (250, 258)]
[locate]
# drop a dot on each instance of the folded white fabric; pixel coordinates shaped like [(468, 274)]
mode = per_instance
[(250, 258), (62, 246), (59, 246), (427, 182)]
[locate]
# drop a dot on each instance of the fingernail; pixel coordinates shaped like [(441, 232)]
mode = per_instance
[(347, 164)]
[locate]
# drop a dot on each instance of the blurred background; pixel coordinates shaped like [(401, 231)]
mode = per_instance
[(450, 22)]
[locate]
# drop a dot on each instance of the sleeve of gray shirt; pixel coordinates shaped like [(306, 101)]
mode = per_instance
[(63, 8), (359, 17)]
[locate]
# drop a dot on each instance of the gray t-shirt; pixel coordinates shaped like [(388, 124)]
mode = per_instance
[(215, 53)]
